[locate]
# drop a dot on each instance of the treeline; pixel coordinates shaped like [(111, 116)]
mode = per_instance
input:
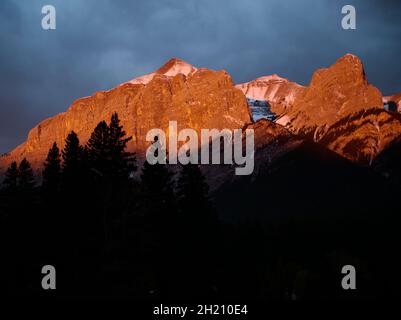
[(112, 229), (96, 222)]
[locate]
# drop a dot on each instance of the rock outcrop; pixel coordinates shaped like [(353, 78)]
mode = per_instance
[(201, 99), (341, 110)]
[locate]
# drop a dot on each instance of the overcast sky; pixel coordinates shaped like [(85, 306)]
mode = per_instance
[(99, 44)]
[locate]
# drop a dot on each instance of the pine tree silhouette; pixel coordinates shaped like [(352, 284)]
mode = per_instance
[(124, 162), (72, 162), (11, 178), (26, 179), (51, 174), (77, 219), (110, 167), (98, 148), (19, 184), (52, 217), (106, 149), (22, 224)]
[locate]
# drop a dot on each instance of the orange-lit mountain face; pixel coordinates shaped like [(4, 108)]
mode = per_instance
[(345, 113), (177, 91), (339, 109)]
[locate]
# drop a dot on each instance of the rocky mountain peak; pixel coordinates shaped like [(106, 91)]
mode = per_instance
[(171, 68), (175, 66), (341, 110)]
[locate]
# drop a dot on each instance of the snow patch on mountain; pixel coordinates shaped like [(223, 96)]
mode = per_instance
[(170, 69), (278, 91)]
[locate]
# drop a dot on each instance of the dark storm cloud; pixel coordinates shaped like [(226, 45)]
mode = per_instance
[(99, 44)]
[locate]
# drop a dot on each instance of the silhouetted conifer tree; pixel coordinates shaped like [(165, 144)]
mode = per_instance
[(11, 178), (52, 217), (111, 167), (26, 179), (72, 156), (106, 150), (22, 223), (124, 162), (98, 148), (9, 200), (51, 174), (19, 184), (77, 219)]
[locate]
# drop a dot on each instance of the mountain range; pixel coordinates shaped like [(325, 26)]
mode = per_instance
[(324, 193), (339, 110)]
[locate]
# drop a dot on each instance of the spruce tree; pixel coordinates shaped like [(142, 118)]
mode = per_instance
[(52, 172), (110, 167), (74, 190), (106, 150), (19, 184), (75, 216), (98, 148), (72, 165), (11, 178), (26, 184), (26, 179), (123, 162)]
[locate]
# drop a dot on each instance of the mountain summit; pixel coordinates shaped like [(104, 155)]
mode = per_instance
[(170, 69), (342, 111)]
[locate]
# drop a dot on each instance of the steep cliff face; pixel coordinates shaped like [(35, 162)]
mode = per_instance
[(342, 111), (202, 99), (280, 93)]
